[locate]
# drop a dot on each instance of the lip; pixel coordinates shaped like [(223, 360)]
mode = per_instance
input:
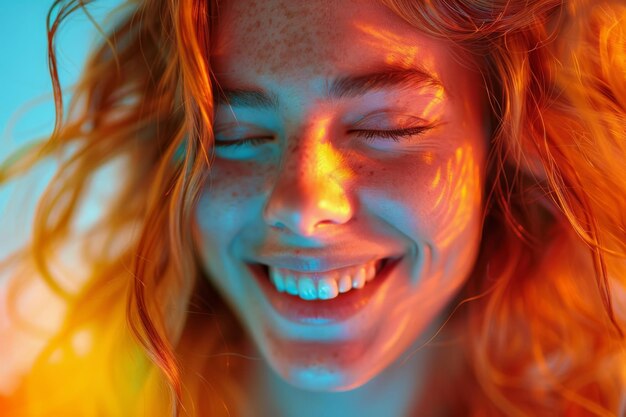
[(312, 264), (335, 310)]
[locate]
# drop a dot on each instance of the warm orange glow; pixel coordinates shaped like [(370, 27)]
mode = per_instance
[(436, 180), (329, 161), (332, 168), (460, 190), (434, 107), (399, 51)]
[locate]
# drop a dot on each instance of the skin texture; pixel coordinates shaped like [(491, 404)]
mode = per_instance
[(315, 188)]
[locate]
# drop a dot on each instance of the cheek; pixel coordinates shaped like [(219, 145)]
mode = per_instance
[(436, 195), (231, 198), (455, 201), (234, 181)]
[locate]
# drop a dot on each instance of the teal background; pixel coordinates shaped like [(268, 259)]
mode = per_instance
[(26, 109), (26, 105)]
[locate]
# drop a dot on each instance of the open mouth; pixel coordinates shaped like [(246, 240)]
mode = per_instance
[(301, 304), (323, 285)]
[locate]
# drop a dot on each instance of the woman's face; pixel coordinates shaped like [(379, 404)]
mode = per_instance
[(343, 210)]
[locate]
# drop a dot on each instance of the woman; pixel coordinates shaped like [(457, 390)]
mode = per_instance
[(337, 208)]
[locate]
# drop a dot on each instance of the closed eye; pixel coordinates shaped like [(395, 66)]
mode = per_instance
[(257, 140), (395, 135), (369, 135)]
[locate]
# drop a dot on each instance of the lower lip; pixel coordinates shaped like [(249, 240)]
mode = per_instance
[(337, 309)]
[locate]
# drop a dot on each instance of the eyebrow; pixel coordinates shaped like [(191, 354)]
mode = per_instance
[(348, 86)]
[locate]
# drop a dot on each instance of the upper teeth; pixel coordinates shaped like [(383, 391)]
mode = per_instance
[(322, 285)]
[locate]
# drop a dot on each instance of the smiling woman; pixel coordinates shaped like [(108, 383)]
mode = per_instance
[(372, 208), (323, 171)]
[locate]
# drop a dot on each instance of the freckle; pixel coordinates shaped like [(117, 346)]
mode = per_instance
[(297, 251), (234, 194)]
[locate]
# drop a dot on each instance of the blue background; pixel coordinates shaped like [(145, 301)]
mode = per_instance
[(26, 105)]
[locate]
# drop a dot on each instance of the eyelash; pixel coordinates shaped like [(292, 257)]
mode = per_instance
[(369, 135), (241, 142), (393, 134)]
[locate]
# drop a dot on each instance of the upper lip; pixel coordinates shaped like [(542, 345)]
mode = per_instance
[(315, 264)]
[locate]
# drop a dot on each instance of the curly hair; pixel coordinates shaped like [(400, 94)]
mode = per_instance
[(541, 320)]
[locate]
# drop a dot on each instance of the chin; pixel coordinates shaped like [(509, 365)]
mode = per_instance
[(326, 368), (314, 365), (321, 378)]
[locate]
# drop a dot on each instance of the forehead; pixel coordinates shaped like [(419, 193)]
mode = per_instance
[(294, 39)]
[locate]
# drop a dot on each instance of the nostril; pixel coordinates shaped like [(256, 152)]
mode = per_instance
[(325, 223), (279, 226), (304, 208)]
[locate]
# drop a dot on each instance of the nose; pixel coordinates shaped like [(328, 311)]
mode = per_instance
[(309, 192)]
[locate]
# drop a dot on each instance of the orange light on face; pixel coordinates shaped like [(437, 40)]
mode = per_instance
[(434, 107), (330, 170), (329, 161), (428, 158), (437, 179), (332, 165), (321, 130), (398, 51), (460, 188)]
